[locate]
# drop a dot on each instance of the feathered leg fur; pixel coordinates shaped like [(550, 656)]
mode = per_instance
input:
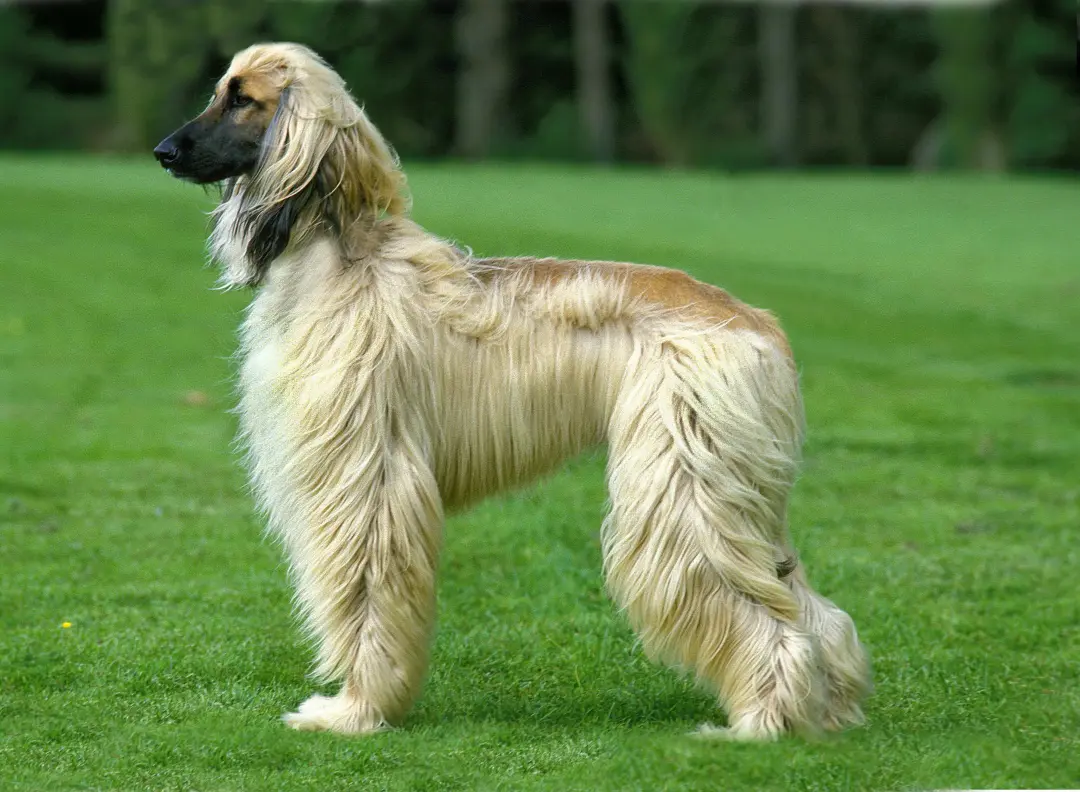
[(704, 442)]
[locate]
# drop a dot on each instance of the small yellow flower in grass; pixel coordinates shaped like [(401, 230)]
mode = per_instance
[(65, 625)]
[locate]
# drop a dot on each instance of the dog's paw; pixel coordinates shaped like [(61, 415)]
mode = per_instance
[(316, 714), (758, 728), (737, 733), (341, 714)]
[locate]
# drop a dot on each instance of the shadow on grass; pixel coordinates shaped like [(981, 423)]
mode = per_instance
[(567, 709)]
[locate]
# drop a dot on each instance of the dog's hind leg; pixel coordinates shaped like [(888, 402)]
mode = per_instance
[(846, 665), (704, 442)]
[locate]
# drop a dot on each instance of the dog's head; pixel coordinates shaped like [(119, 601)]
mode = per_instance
[(295, 150), (226, 139)]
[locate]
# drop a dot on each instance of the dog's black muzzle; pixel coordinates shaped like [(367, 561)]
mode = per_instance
[(205, 152)]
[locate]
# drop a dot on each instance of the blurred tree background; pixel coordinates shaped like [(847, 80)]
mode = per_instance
[(688, 84)]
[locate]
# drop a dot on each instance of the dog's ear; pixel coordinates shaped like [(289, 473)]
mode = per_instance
[(273, 228), (362, 171)]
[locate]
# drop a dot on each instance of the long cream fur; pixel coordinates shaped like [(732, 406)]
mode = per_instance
[(388, 375)]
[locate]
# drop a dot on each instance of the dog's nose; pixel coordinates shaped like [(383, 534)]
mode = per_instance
[(167, 153)]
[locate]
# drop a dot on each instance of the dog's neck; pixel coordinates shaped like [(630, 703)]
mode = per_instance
[(233, 232), (365, 239)]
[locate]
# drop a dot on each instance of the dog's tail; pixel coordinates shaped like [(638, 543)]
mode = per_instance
[(724, 424)]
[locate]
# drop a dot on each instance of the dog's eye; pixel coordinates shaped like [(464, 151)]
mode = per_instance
[(239, 100)]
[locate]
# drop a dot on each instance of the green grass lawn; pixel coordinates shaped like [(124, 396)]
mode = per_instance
[(937, 326)]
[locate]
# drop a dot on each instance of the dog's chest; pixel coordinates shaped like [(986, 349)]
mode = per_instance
[(269, 329), (262, 407), (262, 359)]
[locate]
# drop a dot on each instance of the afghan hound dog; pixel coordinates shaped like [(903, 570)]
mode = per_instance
[(388, 376)]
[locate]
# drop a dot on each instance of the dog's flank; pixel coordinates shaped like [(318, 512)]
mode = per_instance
[(388, 375)]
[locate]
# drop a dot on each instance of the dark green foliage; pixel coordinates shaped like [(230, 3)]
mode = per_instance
[(43, 103), (1042, 114), (686, 77), (658, 71), (838, 115), (542, 115), (691, 78), (15, 73), (897, 88), (966, 81)]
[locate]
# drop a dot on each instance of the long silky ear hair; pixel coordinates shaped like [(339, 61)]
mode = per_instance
[(323, 165)]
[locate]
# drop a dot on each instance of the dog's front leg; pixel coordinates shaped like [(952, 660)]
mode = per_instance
[(364, 556)]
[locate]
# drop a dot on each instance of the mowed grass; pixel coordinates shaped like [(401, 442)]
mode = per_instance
[(936, 326)]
